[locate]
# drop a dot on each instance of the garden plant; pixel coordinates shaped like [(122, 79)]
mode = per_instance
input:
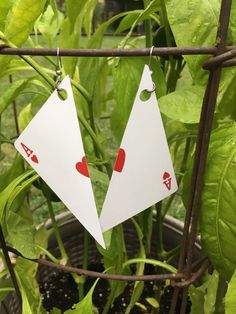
[(104, 90)]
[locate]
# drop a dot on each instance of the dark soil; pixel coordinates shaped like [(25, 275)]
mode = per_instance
[(61, 291)]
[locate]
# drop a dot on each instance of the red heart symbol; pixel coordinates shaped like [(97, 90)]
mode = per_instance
[(120, 160), (34, 159), (167, 180), (82, 167)]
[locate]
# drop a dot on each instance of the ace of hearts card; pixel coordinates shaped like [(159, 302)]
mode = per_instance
[(52, 145)]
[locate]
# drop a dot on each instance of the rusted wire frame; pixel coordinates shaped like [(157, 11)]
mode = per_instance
[(202, 145), (66, 52), (94, 274)]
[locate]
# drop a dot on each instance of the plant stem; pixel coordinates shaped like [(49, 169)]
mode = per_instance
[(118, 269), (148, 27), (64, 255), (85, 262), (222, 287), (160, 246)]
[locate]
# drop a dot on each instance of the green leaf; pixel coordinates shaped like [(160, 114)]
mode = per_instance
[(88, 16), (25, 116), (49, 24), (126, 75), (73, 9), (200, 32), (218, 220), (232, 26), (21, 234), (5, 6), (183, 105), (19, 23), (6, 194), (26, 277), (230, 298), (11, 93), (153, 302), (227, 95), (21, 20), (204, 297), (86, 305), (10, 174)]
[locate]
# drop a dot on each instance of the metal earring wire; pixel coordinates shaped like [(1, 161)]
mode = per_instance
[(150, 55), (58, 70), (149, 64)]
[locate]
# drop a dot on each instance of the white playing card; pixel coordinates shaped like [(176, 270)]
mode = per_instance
[(52, 145), (143, 173)]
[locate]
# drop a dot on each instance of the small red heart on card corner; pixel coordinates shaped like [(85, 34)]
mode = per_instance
[(120, 160), (35, 159), (82, 167), (167, 180)]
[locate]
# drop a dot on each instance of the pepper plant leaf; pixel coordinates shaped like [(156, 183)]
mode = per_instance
[(183, 105), (218, 220), (230, 299)]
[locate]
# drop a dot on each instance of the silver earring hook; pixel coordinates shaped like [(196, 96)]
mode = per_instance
[(150, 59), (58, 70), (150, 55)]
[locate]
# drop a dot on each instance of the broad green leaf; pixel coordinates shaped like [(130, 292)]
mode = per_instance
[(227, 94), (10, 174), (49, 24), (232, 26), (86, 305), (11, 93), (9, 190), (137, 16), (25, 116), (19, 23), (230, 298), (21, 19), (5, 6), (183, 105), (26, 277), (21, 234), (126, 77), (203, 298), (128, 20), (218, 222), (74, 9), (201, 31)]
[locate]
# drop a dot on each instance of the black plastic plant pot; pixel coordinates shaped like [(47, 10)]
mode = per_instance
[(72, 234)]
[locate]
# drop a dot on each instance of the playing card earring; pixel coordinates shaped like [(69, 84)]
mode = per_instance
[(58, 70), (143, 174)]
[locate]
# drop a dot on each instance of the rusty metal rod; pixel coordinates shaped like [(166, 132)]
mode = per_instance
[(95, 274), (195, 276), (219, 59), (70, 52)]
